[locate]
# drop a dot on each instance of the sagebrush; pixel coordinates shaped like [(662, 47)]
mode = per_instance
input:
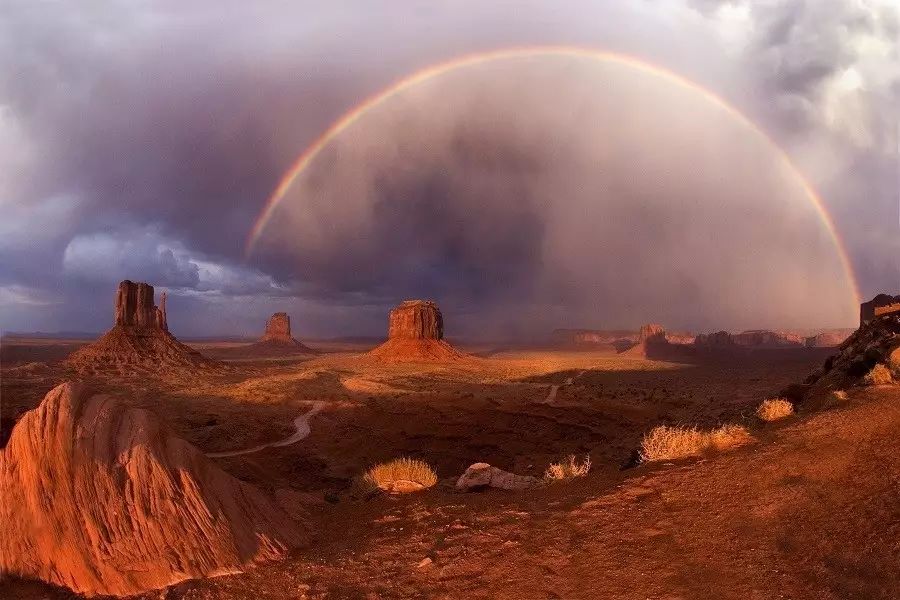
[(569, 468), (673, 442), (386, 476), (774, 409)]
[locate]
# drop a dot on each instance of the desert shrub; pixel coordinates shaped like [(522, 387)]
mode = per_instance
[(568, 468), (879, 375), (774, 409), (399, 475), (670, 443), (840, 395)]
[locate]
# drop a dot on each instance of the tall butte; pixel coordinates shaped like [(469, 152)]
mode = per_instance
[(416, 334), (278, 338), (139, 339)]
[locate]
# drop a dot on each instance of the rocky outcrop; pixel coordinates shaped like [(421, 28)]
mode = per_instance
[(278, 329), (416, 319), (416, 334), (871, 356), (867, 309), (104, 499), (135, 307), (482, 475), (139, 341), (651, 341)]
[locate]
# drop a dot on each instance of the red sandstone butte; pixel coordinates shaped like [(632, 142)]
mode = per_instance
[(651, 336), (416, 334), (139, 339), (104, 499)]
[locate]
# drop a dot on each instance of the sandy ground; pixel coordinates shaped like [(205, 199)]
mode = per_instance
[(809, 511)]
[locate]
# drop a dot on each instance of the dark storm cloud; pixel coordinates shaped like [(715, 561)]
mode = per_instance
[(144, 139)]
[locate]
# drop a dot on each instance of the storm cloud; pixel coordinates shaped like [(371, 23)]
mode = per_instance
[(143, 140)]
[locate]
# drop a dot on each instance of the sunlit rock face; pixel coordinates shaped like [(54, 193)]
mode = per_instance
[(416, 319), (416, 334), (104, 499), (139, 340), (278, 329)]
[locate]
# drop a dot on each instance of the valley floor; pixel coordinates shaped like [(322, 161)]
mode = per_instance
[(810, 510)]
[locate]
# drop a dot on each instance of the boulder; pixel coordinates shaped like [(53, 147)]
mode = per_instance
[(482, 475), (105, 499)]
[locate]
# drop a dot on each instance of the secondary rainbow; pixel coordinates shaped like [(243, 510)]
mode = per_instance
[(357, 112)]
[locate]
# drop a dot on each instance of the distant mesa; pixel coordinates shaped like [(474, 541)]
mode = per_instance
[(277, 337), (104, 499), (416, 334), (651, 339), (717, 340), (827, 339), (752, 339), (139, 340)]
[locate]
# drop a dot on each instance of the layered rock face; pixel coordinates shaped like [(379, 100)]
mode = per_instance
[(135, 307), (139, 340), (828, 339), (278, 329), (867, 309), (416, 319), (104, 499), (763, 338), (415, 334)]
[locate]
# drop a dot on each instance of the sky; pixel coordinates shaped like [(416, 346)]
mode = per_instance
[(142, 140)]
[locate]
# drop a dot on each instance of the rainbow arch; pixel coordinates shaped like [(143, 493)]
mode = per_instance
[(357, 112)]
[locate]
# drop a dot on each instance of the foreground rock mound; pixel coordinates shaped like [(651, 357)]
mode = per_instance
[(139, 340), (416, 334), (103, 499), (871, 356)]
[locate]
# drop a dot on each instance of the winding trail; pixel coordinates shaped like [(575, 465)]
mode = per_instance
[(301, 424), (554, 389)]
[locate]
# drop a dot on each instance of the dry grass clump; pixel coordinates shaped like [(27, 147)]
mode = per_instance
[(879, 375), (671, 443), (774, 409), (400, 476), (568, 468)]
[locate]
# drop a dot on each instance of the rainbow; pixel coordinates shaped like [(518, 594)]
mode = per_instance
[(356, 113)]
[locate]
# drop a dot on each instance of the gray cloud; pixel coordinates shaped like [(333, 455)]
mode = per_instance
[(159, 130)]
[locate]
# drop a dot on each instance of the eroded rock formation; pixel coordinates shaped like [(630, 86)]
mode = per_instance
[(867, 309), (871, 356), (651, 339), (278, 329), (717, 340), (416, 319), (416, 334), (104, 499), (139, 340)]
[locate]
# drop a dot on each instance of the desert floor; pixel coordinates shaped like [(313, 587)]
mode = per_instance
[(810, 510)]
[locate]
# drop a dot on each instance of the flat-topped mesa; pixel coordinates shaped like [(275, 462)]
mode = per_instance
[(416, 334), (278, 329), (416, 319), (135, 306)]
